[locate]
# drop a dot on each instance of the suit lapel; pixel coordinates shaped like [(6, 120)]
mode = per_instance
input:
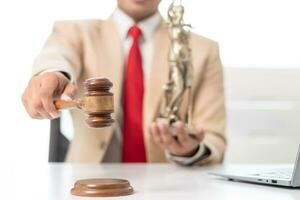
[(153, 91), (114, 60), (112, 66)]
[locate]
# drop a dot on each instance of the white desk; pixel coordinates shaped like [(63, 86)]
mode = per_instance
[(151, 182)]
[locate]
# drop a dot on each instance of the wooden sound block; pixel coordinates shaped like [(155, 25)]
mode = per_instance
[(102, 188)]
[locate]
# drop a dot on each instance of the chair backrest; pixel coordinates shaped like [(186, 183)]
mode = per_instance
[(263, 109)]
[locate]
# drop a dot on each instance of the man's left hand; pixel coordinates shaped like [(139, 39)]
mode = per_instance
[(183, 145)]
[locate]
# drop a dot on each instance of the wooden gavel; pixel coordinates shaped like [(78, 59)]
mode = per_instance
[(97, 103)]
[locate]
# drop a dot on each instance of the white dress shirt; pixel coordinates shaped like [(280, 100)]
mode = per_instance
[(147, 26)]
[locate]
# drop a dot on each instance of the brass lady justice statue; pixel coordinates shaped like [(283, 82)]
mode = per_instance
[(180, 68)]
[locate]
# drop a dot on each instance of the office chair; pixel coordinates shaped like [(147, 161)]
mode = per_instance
[(58, 145)]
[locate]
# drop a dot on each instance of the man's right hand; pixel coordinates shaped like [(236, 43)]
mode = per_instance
[(42, 90)]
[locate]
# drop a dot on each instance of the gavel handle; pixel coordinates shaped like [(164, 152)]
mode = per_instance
[(62, 104)]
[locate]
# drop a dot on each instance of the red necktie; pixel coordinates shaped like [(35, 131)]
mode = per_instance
[(133, 138)]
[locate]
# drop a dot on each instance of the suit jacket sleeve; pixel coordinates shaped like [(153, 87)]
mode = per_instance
[(62, 50), (209, 109)]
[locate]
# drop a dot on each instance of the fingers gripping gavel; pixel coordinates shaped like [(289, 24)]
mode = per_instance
[(97, 102)]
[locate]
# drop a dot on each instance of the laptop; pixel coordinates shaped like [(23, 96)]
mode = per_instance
[(288, 176)]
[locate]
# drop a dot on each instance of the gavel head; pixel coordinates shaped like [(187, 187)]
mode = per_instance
[(98, 102)]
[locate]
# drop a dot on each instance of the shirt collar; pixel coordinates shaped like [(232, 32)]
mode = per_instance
[(124, 22)]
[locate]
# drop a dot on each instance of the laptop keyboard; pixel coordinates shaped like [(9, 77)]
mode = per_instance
[(276, 174)]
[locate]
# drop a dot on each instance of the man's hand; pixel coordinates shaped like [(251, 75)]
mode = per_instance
[(42, 90), (184, 145)]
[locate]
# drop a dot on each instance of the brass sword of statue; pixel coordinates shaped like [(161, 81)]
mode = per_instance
[(180, 68)]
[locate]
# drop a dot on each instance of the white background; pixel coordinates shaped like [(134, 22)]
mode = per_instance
[(251, 33)]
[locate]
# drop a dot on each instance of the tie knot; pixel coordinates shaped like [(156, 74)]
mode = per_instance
[(135, 32)]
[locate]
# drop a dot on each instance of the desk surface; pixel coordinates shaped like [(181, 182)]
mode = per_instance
[(151, 182)]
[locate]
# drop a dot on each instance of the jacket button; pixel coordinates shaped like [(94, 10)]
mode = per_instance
[(102, 145)]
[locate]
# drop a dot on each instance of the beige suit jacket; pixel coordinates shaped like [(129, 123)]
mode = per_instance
[(90, 48)]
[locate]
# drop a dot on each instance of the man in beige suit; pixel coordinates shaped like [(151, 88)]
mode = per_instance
[(77, 50)]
